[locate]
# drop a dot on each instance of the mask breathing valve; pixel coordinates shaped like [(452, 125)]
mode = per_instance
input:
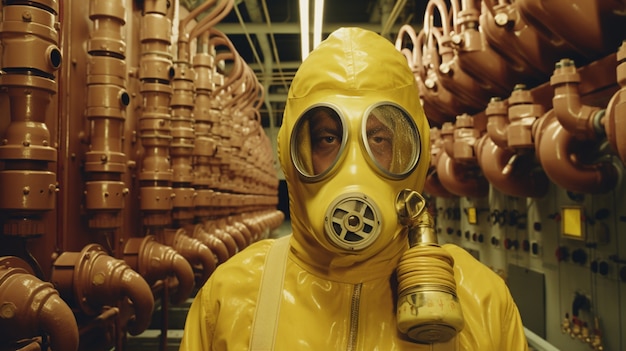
[(428, 309)]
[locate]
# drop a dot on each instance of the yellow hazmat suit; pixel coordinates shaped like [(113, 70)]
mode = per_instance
[(354, 135)]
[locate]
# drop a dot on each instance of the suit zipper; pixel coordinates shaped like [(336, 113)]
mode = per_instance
[(354, 317)]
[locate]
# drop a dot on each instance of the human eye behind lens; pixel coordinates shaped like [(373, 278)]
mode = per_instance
[(325, 140)]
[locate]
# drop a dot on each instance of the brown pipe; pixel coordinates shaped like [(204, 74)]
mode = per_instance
[(192, 250), (235, 233), (583, 121), (461, 179), (497, 112), (236, 222), (510, 172), (615, 120), (560, 156), (433, 184), (155, 262), (93, 280), (215, 244), (29, 306), (211, 227)]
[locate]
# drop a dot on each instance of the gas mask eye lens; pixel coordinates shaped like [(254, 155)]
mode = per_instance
[(318, 138), (391, 139)]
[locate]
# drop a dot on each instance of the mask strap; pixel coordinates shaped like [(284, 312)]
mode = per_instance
[(270, 292)]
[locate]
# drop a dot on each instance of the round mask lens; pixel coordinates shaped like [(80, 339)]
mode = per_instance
[(317, 140), (391, 139)]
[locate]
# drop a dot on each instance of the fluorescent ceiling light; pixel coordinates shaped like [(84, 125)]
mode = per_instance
[(304, 28), (317, 22), (318, 18)]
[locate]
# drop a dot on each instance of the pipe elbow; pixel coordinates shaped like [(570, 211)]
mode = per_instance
[(198, 254), (511, 173), (95, 280), (461, 179), (559, 160), (228, 240), (184, 273), (216, 245), (497, 130), (30, 306), (574, 116), (155, 261), (615, 121), (433, 185), (133, 286), (497, 121)]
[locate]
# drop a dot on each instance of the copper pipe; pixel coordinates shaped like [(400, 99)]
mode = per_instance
[(156, 262), (497, 121), (510, 172), (92, 280), (245, 231), (523, 113), (193, 250), (615, 120), (27, 186), (216, 245), (560, 155), (433, 185), (211, 227), (155, 74), (581, 120), (461, 179), (235, 233), (107, 99), (29, 306)]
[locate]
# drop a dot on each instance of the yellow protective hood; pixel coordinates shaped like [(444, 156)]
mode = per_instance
[(353, 69)]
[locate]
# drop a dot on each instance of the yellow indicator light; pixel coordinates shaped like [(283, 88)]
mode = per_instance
[(471, 215), (571, 223)]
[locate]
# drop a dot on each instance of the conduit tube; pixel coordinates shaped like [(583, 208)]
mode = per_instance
[(107, 99), (433, 184), (477, 58), (615, 120), (29, 306), (582, 121), (444, 60), (510, 172), (435, 107), (497, 112), (559, 153), (91, 280), (505, 153), (461, 176), (201, 258), (156, 71), (27, 186), (567, 133), (206, 166), (155, 261)]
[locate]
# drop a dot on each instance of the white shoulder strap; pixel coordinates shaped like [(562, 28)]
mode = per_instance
[(265, 320)]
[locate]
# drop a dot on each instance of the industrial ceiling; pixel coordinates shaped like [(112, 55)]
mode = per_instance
[(266, 34)]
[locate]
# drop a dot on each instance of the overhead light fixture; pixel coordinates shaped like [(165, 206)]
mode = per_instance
[(318, 18)]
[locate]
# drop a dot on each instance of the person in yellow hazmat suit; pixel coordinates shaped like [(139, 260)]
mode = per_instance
[(359, 271)]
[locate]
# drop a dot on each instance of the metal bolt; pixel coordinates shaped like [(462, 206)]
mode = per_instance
[(7, 310), (501, 19), (98, 279), (27, 16), (26, 190)]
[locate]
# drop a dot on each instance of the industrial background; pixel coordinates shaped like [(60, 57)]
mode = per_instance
[(138, 153)]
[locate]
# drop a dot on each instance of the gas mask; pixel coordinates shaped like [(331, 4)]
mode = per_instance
[(354, 148), (353, 158)]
